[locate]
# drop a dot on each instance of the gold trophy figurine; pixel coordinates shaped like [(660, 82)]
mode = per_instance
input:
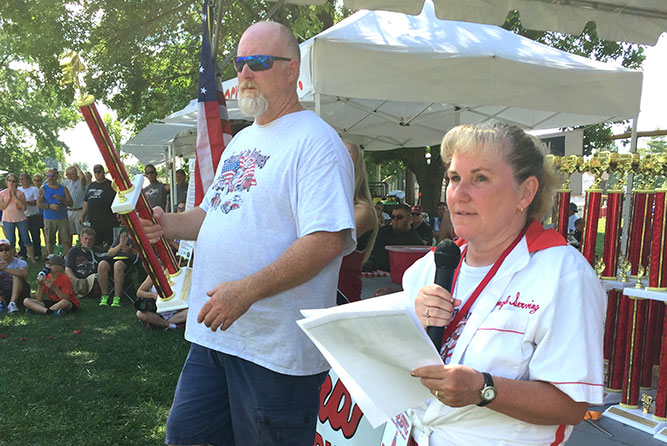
[(599, 267), (647, 401), (625, 271), (72, 66), (640, 274)]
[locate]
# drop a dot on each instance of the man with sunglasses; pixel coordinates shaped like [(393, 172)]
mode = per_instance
[(97, 207), (157, 193), (271, 232), (398, 232)]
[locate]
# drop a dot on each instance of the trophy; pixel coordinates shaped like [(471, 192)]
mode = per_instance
[(130, 202)]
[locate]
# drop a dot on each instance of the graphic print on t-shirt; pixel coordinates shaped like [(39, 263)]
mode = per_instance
[(236, 175)]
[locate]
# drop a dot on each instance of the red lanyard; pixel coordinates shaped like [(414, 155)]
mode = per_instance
[(475, 294)]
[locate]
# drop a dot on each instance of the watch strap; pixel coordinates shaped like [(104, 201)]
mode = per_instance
[(488, 382)]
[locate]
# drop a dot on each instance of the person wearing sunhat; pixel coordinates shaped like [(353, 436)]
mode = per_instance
[(13, 274), (420, 226), (54, 295)]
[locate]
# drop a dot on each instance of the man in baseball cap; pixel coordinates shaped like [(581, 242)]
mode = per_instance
[(419, 225), (13, 274)]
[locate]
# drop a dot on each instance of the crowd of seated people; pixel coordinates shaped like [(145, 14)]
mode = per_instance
[(97, 265)]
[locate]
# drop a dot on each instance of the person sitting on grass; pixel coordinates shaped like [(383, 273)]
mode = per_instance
[(167, 320), (55, 295), (13, 273), (125, 256)]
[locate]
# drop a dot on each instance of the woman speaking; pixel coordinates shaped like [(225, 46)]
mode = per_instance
[(522, 343)]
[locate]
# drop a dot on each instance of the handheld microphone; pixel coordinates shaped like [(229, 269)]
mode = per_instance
[(447, 256)]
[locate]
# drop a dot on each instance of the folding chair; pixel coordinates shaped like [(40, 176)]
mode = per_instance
[(134, 277)]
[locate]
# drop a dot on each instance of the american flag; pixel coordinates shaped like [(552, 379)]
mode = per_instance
[(247, 178), (213, 129)]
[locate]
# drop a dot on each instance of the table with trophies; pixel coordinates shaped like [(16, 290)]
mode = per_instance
[(635, 340)]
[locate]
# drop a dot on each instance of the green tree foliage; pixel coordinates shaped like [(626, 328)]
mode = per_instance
[(31, 113), (657, 145), (142, 61)]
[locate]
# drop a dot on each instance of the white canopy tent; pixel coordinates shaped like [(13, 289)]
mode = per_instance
[(636, 21), (388, 80)]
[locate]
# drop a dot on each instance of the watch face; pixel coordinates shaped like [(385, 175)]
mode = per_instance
[(489, 394)]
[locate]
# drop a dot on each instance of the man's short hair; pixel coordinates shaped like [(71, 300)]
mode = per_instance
[(181, 171), (88, 231), (403, 207)]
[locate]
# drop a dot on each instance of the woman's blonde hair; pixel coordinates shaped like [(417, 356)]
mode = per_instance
[(523, 152), (362, 193)]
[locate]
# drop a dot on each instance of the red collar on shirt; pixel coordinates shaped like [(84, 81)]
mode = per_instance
[(537, 238)]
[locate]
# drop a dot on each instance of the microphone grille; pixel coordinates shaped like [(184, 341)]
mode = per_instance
[(447, 254)]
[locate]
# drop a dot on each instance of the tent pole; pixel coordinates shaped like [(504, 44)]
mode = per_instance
[(318, 104), (216, 30), (628, 190)]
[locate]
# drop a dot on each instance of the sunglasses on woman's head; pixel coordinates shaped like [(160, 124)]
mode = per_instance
[(257, 62)]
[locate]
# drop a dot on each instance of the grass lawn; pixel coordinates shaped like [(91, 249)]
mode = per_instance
[(94, 377)]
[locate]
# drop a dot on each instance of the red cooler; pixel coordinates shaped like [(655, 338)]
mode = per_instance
[(401, 257)]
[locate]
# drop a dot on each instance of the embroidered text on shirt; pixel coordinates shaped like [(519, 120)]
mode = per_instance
[(532, 306)]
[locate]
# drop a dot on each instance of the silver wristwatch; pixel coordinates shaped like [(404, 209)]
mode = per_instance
[(488, 392)]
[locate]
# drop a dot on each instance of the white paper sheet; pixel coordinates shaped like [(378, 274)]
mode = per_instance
[(373, 345)]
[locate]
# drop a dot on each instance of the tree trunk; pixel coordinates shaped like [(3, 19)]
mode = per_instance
[(428, 175)]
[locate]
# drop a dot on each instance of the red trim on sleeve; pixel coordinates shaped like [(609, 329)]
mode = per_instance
[(576, 382), (560, 435)]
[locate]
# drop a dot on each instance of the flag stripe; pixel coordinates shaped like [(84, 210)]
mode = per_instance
[(213, 128)]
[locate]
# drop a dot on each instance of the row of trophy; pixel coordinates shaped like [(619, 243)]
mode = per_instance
[(634, 325)]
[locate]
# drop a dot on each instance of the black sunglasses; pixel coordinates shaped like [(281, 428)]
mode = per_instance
[(98, 171), (397, 217), (257, 62), (151, 172), (4, 248)]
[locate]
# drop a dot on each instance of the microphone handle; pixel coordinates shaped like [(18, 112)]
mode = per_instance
[(443, 277)]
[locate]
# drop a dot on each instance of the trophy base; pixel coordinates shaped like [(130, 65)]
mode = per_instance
[(662, 435), (164, 306), (636, 418), (180, 285)]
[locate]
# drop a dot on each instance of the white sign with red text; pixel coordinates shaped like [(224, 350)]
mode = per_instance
[(340, 421)]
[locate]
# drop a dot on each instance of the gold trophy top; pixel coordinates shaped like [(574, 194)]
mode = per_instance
[(596, 166), (72, 66)]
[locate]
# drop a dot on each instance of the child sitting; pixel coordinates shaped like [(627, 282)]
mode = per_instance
[(167, 320), (55, 295)]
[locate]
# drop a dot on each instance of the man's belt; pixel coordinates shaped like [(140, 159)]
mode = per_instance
[(74, 209)]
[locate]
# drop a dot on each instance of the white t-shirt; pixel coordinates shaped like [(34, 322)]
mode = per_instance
[(31, 193), (570, 223), (274, 184), (77, 191)]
